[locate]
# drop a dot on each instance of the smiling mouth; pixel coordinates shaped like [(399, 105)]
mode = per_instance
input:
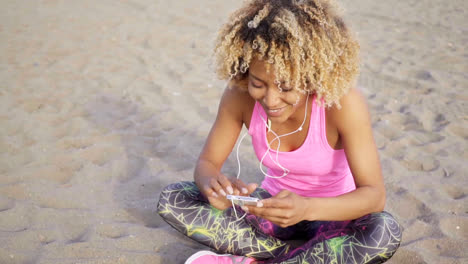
[(275, 112)]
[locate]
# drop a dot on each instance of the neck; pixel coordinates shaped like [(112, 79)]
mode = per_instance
[(300, 118)]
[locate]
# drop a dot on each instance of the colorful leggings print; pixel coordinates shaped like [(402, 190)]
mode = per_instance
[(370, 239)]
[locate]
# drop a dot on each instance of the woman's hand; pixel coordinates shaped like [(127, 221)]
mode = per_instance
[(216, 189), (284, 209)]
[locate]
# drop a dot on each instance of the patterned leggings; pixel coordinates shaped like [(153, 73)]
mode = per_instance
[(373, 238)]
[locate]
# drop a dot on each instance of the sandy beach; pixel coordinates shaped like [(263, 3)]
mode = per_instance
[(104, 103)]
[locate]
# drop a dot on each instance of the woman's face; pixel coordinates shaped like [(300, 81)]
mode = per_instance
[(279, 106)]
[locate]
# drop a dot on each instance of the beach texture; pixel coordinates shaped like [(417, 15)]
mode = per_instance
[(104, 103)]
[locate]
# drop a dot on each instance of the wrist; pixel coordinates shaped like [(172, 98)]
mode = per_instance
[(311, 209)]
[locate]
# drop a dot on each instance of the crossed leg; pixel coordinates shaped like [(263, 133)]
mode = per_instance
[(370, 239)]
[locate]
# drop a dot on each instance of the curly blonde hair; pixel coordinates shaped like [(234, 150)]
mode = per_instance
[(306, 42)]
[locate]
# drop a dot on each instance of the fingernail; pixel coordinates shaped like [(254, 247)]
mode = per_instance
[(230, 190), (244, 191), (222, 193), (214, 195), (245, 208), (259, 204)]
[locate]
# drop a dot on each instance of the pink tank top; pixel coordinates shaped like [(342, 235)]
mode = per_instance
[(316, 169)]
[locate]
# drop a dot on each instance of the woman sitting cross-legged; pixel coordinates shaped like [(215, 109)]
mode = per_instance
[(291, 66)]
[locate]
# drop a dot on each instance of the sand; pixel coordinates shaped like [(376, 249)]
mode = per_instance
[(103, 103)]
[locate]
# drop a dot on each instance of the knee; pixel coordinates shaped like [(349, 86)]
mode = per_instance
[(165, 199), (393, 229), (172, 195), (389, 230)]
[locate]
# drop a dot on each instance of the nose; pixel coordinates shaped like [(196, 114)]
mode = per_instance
[(272, 97)]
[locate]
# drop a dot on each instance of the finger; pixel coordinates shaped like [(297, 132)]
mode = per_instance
[(275, 202), (225, 183), (209, 192), (283, 193), (266, 212), (273, 218), (217, 187), (236, 190), (283, 222), (279, 221), (251, 187), (239, 184)]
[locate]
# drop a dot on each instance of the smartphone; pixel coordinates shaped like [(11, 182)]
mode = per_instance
[(243, 200)]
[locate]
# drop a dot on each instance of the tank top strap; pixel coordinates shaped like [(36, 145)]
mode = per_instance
[(320, 132), (316, 117), (255, 120)]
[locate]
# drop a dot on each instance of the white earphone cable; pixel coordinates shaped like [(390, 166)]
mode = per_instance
[(276, 160), (285, 170)]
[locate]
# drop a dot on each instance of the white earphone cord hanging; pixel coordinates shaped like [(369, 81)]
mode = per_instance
[(276, 161), (285, 170)]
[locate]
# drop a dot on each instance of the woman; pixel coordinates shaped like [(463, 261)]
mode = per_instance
[(291, 67)]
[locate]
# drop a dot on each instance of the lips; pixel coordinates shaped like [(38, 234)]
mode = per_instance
[(275, 112)]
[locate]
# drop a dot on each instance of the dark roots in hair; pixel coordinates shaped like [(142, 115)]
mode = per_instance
[(306, 42)]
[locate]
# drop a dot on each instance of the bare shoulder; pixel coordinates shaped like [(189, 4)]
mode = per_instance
[(236, 95), (236, 102), (353, 110), (226, 128)]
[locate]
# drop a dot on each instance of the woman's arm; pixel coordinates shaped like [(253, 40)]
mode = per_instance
[(219, 144), (355, 130)]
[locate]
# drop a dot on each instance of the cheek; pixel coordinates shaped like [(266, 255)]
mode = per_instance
[(255, 93), (293, 98)]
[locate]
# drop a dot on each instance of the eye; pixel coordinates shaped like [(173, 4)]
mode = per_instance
[(256, 85)]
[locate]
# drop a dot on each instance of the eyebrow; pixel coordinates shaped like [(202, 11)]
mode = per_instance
[(257, 78), (264, 81)]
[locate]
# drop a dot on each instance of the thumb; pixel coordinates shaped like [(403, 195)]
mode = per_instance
[(283, 193), (251, 187)]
